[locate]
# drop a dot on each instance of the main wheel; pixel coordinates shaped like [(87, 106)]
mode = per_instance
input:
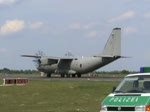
[(74, 75), (68, 75), (48, 75), (62, 75), (79, 75)]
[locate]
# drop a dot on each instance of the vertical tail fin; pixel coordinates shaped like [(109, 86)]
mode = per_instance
[(113, 45)]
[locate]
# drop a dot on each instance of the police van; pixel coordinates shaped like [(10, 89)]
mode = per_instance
[(132, 94)]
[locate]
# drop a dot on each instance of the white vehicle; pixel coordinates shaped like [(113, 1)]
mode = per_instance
[(132, 94)]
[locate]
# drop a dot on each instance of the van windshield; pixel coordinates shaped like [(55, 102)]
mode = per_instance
[(134, 84)]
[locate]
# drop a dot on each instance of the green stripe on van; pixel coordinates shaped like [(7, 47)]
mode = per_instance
[(126, 100)]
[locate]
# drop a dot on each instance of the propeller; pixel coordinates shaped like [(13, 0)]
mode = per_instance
[(37, 61), (69, 54), (37, 57), (39, 53)]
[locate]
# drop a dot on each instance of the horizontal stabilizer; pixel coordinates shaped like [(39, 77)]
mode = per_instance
[(125, 57), (110, 56), (104, 56)]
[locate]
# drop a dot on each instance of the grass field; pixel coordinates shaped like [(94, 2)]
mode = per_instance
[(55, 96)]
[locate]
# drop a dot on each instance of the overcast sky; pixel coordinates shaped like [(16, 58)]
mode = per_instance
[(79, 26)]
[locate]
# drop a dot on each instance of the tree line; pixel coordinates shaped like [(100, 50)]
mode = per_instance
[(9, 71), (116, 72)]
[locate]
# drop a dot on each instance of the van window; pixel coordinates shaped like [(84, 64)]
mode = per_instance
[(139, 84)]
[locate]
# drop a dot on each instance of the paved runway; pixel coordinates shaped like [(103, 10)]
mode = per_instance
[(55, 78)]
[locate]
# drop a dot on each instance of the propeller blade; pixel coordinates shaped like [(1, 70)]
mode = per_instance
[(37, 61)]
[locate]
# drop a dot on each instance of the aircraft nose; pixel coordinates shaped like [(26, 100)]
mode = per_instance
[(40, 68)]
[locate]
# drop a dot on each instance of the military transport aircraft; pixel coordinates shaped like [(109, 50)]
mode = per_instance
[(71, 66)]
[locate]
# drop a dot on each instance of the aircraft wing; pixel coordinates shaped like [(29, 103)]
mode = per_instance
[(32, 56), (49, 57), (64, 63)]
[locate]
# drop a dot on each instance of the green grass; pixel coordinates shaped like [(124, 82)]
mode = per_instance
[(55, 96)]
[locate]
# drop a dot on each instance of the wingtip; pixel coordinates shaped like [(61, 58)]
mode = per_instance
[(32, 56)]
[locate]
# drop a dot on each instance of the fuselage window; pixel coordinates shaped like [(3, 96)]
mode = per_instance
[(80, 65)]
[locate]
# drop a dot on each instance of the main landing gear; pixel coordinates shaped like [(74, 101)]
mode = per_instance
[(74, 75), (48, 75)]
